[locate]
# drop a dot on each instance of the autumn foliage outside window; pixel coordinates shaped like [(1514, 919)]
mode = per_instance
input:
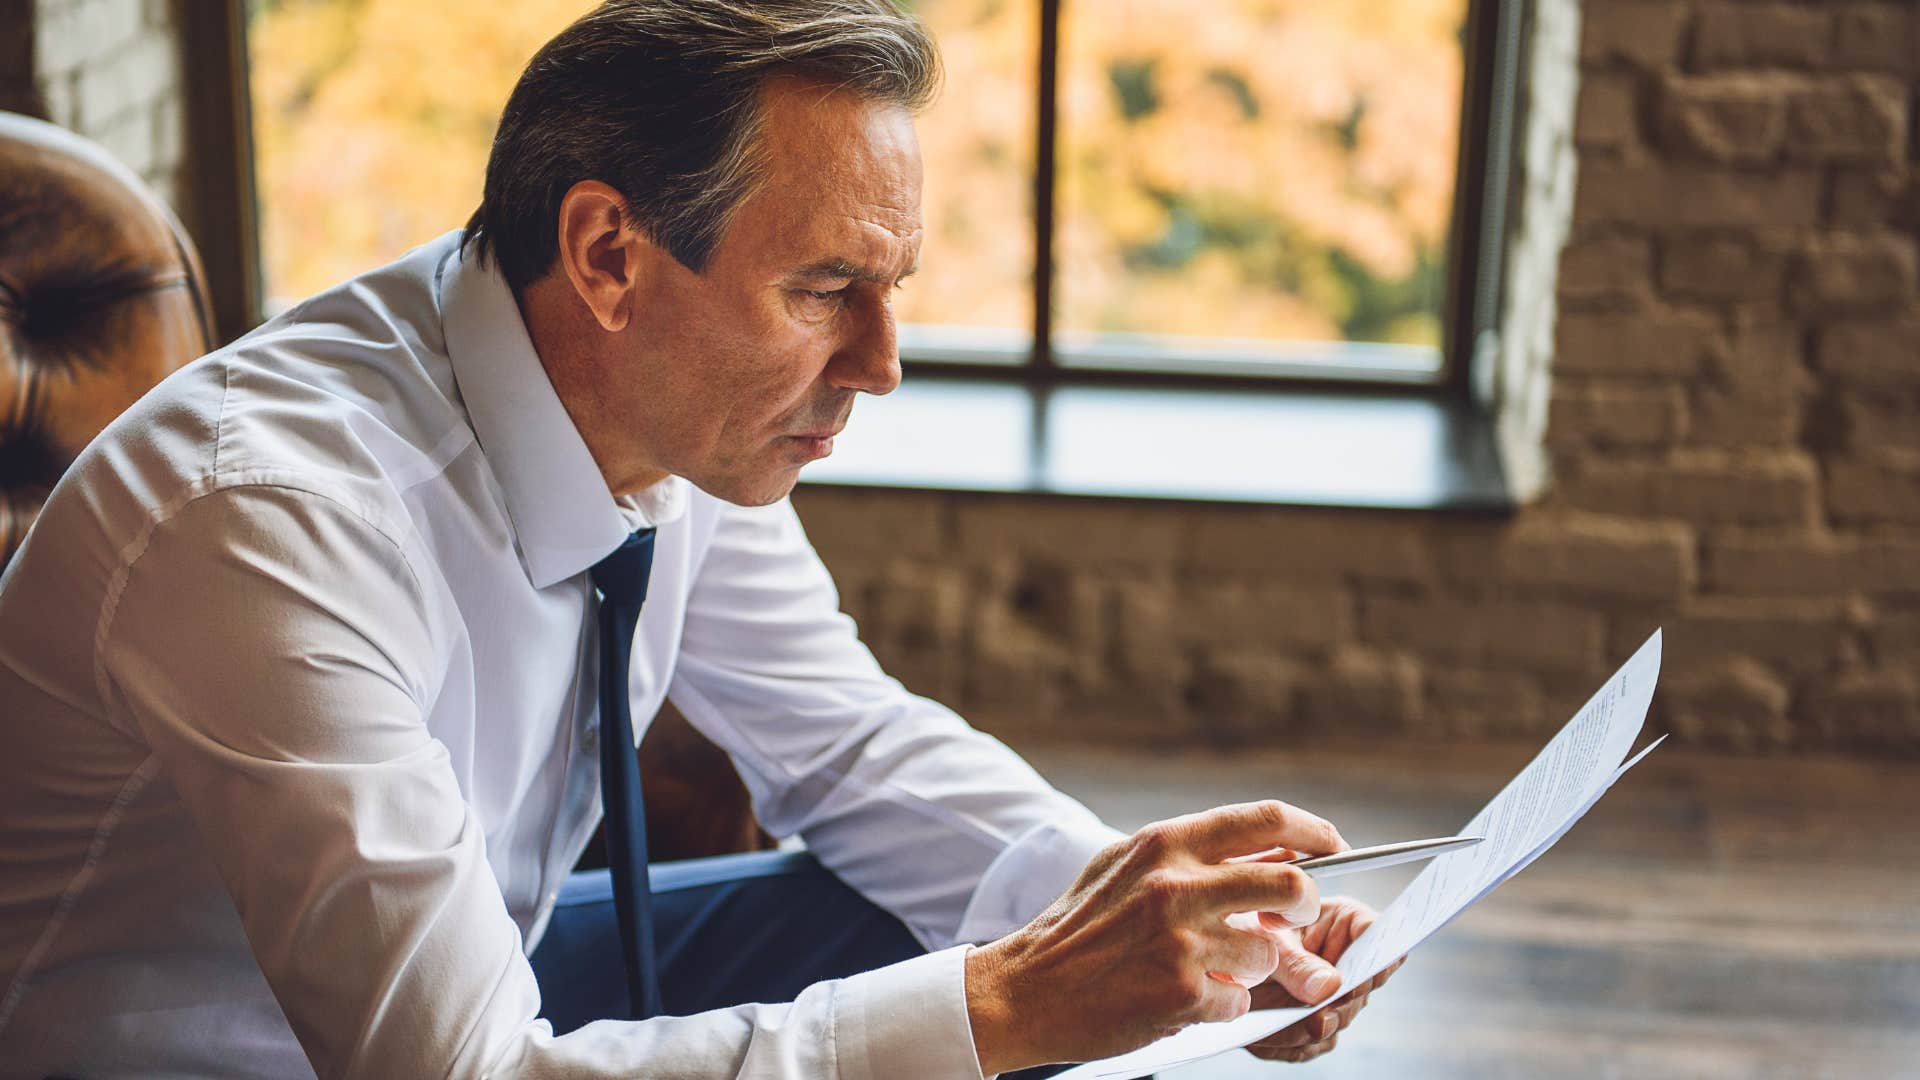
[(1252, 178)]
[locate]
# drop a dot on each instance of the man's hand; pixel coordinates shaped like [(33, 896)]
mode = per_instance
[(1341, 920), (1123, 958)]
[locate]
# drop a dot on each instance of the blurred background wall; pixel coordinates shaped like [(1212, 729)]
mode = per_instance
[(1733, 439)]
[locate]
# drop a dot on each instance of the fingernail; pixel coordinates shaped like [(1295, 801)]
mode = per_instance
[(1322, 983)]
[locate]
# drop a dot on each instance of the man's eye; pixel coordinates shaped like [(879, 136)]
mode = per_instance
[(824, 294)]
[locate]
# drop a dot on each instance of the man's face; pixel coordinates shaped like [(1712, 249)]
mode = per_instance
[(743, 373)]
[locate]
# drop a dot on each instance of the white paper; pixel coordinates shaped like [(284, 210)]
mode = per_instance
[(1535, 809)]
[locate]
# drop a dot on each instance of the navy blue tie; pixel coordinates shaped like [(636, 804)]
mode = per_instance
[(622, 580)]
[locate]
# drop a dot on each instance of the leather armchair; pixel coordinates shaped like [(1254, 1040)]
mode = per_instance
[(101, 295)]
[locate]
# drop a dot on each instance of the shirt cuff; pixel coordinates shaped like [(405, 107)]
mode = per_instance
[(1030, 874), (908, 1019)]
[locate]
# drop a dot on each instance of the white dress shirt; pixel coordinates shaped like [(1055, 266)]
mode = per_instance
[(298, 729)]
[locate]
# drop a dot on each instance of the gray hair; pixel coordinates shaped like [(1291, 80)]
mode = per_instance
[(661, 100)]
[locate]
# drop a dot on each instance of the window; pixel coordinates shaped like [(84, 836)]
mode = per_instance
[(1243, 186), (1244, 195), (1268, 191), (1268, 188)]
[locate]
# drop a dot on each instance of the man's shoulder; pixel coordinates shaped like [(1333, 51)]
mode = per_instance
[(348, 394), (356, 376)]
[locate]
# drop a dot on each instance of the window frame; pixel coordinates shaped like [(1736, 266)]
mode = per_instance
[(221, 208), (1475, 241)]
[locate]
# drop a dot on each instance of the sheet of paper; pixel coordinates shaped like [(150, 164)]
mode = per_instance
[(1535, 809)]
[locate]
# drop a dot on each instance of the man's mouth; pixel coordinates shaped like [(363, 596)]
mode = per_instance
[(814, 445)]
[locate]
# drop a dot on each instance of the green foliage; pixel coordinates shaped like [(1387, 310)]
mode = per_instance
[(1133, 87)]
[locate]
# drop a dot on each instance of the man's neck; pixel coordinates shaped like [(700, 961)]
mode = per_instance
[(554, 325)]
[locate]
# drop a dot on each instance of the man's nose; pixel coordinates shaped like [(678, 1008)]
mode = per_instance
[(871, 360)]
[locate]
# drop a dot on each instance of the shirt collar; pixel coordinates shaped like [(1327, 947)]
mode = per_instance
[(563, 515)]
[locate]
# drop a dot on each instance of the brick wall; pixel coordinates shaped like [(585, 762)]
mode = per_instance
[(1733, 436), (108, 69)]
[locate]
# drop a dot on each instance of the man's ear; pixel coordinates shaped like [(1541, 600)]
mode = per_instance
[(602, 251)]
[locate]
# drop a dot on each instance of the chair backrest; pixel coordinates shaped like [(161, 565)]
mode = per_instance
[(101, 295)]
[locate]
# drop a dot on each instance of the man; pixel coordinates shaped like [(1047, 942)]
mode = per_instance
[(302, 672)]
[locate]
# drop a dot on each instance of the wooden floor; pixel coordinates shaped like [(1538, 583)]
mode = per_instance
[(1711, 917)]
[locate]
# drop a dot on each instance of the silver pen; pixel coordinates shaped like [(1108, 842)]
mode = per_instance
[(1373, 858)]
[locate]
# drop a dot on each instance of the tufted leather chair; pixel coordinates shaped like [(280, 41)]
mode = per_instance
[(101, 295)]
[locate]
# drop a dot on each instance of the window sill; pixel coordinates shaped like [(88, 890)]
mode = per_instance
[(1280, 446)]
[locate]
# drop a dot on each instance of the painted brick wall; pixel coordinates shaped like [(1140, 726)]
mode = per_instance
[(108, 69), (1733, 435)]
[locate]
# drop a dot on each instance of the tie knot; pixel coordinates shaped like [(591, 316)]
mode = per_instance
[(622, 576)]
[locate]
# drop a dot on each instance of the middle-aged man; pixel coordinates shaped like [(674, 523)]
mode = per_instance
[(306, 667)]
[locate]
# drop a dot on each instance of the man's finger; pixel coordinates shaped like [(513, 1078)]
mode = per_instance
[(1246, 958), (1279, 854), (1297, 1053), (1387, 972), (1339, 1015), (1319, 1027), (1315, 936), (1272, 995), (1350, 1010), (1311, 1050), (1221, 1001), (1307, 977), (1291, 1036), (1285, 891), (1348, 924), (1246, 828)]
